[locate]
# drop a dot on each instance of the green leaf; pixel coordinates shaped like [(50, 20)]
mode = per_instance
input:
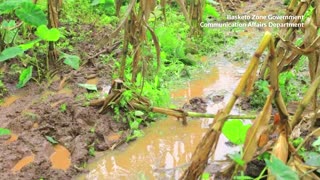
[(71, 60), (63, 107), (235, 131), (134, 125), (8, 24), (138, 113), (210, 10), (51, 140), (10, 52), (92, 151), (280, 170), (97, 2), (243, 177), (106, 2), (4, 131), (312, 158), (25, 76), (316, 142), (9, 35), (265, 155), (205, 176), (91, 87), (156, 81), (9, 5), (236, 157), (46, 34), (29, 45), (17, 50), (297, 141), (31, 14), (109, 2), (136, 133)]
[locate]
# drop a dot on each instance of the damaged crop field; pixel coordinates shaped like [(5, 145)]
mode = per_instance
[(168, 89)]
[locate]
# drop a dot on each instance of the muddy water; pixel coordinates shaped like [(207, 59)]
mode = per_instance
[(167, 145), (9, 100), (13, 138), (23, 162), (60, 159), (93, 81)]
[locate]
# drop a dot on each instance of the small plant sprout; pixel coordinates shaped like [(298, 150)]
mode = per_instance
[(4, 131), (63, 107)]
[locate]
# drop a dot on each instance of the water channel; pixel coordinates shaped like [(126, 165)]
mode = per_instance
[(167, 146)]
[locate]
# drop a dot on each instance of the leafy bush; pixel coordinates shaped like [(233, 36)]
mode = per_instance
[(286, 2), (157, 94), (34, 17), (292, 85), (210, 10), (280, 170), (260, 93), (171, 42), (86, 11)]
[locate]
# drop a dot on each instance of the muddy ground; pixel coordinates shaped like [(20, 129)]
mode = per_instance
[(36, 113), (72, 129)]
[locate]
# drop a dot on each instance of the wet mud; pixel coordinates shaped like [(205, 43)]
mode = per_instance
[(34, 115), (75, 129)]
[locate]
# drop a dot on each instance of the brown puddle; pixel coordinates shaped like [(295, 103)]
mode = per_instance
[(167, 144), (93, 81), (13, 138), (217, 79), (114, 137), (9, 100), (60, 159), (23, 162), (65, 91), (195, 87), (35, 125)]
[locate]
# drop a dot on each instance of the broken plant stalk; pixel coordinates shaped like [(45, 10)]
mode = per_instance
[(274, 81), (305, 101), (174, 112)]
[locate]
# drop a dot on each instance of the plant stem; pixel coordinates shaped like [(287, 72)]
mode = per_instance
[(205, 115), (261, 174)]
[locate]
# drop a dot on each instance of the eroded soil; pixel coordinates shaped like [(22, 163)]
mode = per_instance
[(72, 129), (34, 113)]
